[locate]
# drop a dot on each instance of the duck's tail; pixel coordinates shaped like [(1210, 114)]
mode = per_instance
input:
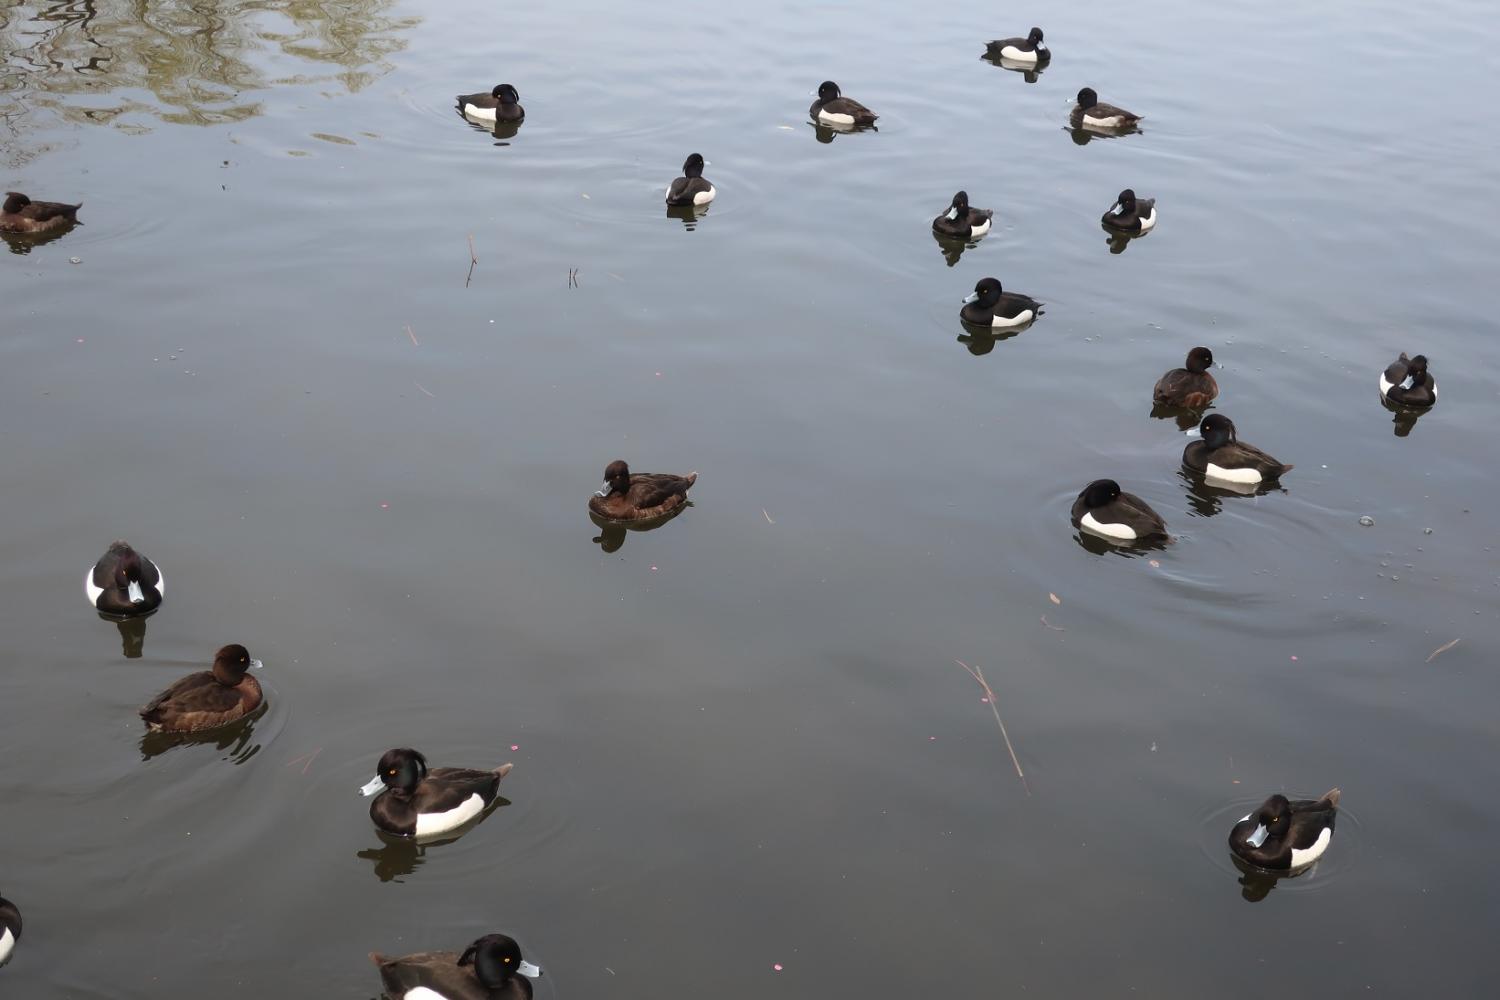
[(1281, 472), (1332, 796), (504, 769), (691, 477), (377, 958)]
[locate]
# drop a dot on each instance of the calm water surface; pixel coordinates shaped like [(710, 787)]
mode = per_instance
[(743, 739)]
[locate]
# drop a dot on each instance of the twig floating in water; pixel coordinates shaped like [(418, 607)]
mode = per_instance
[(309, 757), (768, 516), (573, 277), (1055, 628), (419, 385), (472, 261), (978, 675), (413, 336), (1443, 649)]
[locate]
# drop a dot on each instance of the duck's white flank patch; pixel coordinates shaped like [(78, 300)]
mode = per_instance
[(422, 993), (1313, 853), (1385, 384), (1019, 55), (161, 581), (92, 591), (1020, 319), (979, 230), (1249, 476), (430, 823), (835, 119), (704, 197), (1113, 121), (483, 114), (1118, 532), (1149, 222), (7, 942)]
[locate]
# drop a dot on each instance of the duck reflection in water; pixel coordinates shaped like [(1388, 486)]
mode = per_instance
[(1206, 496), (688, 215), (398, 857), (612, 533), (1403, 418), (235, 738), (132, 634), (1030, 72)]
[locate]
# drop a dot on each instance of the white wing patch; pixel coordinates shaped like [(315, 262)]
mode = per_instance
[(430, 823), (1115, 532), (1313, 853), (1247, 477)]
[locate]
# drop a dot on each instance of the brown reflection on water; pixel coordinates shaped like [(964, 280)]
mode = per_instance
[(89, 61)]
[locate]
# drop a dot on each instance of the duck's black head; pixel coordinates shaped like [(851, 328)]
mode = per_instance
[(961, 202), (828, 91), (15, 201), (693, 166), (1099, 492), (1416, 367), (1087, 98), (1272, 821), (987, 292), (1200, 359), (402, 769), (127, 564), (1035, 36), (1217, 430), (496, 959), (616, 477), (505, 94), (1126, 201), (231, 662)]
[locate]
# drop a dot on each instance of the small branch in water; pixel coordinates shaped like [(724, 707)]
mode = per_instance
[(1055, 628), (768, 516), (978, 675), (573, 277), (472, 261), (309, 757), (1443, 649), (419, 385), (413, 336)]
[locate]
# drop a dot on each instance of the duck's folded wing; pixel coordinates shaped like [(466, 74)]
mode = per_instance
[(42, 211), (193, 693), (654, 489), (447, 788), (1103, 111), (849, 106), (1238, 454), (678, 190), (1396, 371)]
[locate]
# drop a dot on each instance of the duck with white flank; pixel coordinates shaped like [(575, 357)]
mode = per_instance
[(991, 305), (124, 583), (961, 222), (1406, 382), (834, 109), (489, 969), (1103, 509), (1284, 835), (1130, 214), (502, 104), (1030, 50), (416, 802), (691, 189), (1090, 113), (1220, 455)]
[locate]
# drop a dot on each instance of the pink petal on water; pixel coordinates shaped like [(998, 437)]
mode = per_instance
[(776, 966), (515, 746)]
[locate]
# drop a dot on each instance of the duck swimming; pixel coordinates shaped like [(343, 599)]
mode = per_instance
[(1190, 387), (20, 214), (489, 969), (1406, 382), (961, 222), (502, 104), (990, 305), (208, 699), (832, 108), (1103, 509), (10, 929), (1030, 49), (1091, 113), (1221, 455), (124, 583), (1284, 835), (1130, 214), (640, 496), (417, 802), (691, 188)]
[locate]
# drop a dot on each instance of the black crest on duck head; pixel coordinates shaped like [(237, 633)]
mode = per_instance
[(495, 958), (1035, 36), (402, 768), (1099, 492), (828, 90), (505, 93), (1200, 359), (1217, 430), (1087, 98), (693, 166), (15, 201)]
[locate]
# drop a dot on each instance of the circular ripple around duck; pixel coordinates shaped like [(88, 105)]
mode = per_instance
[(1343, 855)]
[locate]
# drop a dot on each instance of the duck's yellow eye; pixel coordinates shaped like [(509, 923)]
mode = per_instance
[(391, 771), (506, 961)]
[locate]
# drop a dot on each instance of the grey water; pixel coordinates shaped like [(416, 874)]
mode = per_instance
[(747, 761)]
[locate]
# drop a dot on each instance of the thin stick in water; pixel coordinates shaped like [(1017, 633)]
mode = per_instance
[(978, 675)]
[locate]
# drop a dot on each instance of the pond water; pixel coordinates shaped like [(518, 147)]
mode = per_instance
[(743, 741)]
